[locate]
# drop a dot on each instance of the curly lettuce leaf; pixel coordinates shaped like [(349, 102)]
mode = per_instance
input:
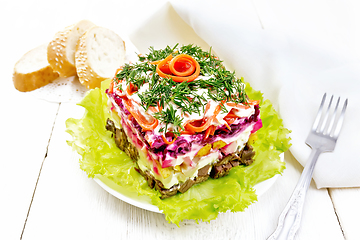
[(204, 201)]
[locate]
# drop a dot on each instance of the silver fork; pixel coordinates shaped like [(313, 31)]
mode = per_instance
[(322, 138)]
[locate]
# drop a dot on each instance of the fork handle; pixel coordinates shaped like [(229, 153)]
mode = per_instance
[(290, 218)]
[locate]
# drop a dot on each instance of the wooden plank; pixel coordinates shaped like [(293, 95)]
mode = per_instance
[(331, 26), (68, 204), (26, 122), (319, 220), (26, 125), (347, 207)]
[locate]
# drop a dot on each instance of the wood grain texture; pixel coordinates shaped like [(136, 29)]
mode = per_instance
[(73, 206), (347, 207), (26, 125), (319, 220), (69, 205)]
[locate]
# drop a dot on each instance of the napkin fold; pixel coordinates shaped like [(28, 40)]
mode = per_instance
[(292, 70)]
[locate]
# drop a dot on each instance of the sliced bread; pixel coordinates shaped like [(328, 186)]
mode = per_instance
[(33, 71), (99, 53), (61, 50)]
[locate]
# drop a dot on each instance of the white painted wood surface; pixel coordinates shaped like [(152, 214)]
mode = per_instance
[(66, 199), (44, 194)]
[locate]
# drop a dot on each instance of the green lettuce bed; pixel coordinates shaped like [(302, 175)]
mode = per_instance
[(204, 201)]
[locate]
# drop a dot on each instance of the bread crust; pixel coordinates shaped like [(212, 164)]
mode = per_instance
[(87, 75), (58, 49), (38, 77), (56, 54), (31, 81)]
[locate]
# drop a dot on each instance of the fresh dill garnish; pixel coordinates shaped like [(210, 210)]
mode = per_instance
[(136, 74), (168, 116), (155, 55), (214, 83)]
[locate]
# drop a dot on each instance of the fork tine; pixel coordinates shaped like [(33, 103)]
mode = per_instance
[(318, 116), (340, 121), (325, 119), (332, 120)]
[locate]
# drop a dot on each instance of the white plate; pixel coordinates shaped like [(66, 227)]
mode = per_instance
[(144, 202)]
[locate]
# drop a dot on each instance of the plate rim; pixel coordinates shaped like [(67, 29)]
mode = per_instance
[(144, 202)]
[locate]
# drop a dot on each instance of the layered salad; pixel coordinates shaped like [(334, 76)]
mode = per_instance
[(174, 119), (182, 117)]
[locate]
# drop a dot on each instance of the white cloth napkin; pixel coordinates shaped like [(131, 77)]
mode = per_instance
[(292, 70)]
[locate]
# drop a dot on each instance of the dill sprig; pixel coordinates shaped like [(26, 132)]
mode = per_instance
[(215, 83), (155, 55), (168, 116), (136, 74)]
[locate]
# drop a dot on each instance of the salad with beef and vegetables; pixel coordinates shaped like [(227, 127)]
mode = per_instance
[(179, 127)]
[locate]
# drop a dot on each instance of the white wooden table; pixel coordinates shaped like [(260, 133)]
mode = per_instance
[(44, 194)]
